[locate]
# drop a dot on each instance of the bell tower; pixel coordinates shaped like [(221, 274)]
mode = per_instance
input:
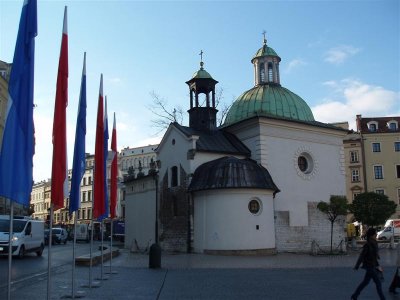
[(202, 112)]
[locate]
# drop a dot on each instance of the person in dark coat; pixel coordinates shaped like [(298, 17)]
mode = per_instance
[(369, 257), (396, 280)]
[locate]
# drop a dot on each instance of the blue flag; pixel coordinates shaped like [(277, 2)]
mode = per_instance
[(18, 144), (78, 165), (105, 160)]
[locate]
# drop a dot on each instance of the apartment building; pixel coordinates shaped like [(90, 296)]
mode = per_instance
[(40, 199), (378, 150), (138, 159), (354, 165)]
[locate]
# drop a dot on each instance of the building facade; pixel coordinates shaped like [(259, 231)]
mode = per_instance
[(379, 148)]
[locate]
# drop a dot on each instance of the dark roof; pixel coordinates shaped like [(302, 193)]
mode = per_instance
[(382, 124), (231, 172), (219, 141)]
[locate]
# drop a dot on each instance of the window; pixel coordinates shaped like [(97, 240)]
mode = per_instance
[(353, 156), (84, 180), (262, 72), (270, 74), (398, 171), (89, 196), (90, 180), (376, 147), (398, 196), (397, 146), (254, 206), (83, 196), (392, 126), (174, 176), (372, 127), (302, 162), (355, 175), (83, 213), (378, 172), (380, 191)]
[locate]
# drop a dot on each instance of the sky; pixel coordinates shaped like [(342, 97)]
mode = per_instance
[(341, 57)]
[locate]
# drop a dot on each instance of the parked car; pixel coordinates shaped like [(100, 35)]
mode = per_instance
[(59, 235)]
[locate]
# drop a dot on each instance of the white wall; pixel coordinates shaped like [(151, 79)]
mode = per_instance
[(140, 214), (277, 145), (222, 220)]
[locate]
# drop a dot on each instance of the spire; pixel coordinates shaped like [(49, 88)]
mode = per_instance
[(264, 39), (201, 59)]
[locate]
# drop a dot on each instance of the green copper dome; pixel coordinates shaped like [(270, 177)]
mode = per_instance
[(265, 51), (269, 100)]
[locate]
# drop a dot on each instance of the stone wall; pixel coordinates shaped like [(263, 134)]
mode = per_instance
[(300, 238)]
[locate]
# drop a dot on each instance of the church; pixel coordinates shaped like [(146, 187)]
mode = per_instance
[(250, 186)]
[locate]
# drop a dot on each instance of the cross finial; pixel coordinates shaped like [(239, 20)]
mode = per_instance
[(201, 59), (265, 39)]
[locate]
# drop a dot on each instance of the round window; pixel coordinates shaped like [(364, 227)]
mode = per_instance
[(305, 163), (254, 206), (302, 163)]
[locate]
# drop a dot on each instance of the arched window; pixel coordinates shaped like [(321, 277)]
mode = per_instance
[(174, 176), (270, 74), (262, 72)]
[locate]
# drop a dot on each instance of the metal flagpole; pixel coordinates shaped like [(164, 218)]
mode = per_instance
[(73, 258), (111, 249), (10, 249), (77, 294), (91, 284), (49, 252)]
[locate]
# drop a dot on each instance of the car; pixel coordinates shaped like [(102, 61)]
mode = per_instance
[(46, 237), (59, 235)]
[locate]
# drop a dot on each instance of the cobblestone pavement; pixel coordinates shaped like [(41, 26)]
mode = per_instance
[(197, 276)]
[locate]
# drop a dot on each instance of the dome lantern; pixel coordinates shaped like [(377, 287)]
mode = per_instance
[(266, 65)]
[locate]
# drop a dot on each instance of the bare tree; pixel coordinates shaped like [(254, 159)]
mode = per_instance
[(164, 115)]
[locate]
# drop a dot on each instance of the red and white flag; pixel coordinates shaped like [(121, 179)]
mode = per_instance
[(59, 173), (114, 172), (99, 208)]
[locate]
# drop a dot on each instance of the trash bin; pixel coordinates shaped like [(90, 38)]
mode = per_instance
[(155, 257)]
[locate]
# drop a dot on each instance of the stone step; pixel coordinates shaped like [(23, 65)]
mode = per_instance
[(84, 260)]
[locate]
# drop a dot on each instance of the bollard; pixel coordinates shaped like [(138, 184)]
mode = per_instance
[(155, 257)]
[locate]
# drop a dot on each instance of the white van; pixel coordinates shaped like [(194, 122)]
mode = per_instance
[(82, 232), (392, 228), (28, 236)]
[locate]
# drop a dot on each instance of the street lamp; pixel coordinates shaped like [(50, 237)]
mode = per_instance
[(155, 249)]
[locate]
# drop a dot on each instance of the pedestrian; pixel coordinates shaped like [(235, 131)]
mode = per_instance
[(396, 279), (369, 257)]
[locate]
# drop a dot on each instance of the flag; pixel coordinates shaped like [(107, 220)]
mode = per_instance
[(105, 159), (18, 144), (59, 173), (114, 172), (78, 165), (98, 193)]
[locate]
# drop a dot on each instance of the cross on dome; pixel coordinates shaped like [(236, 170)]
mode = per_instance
[(201, 59)]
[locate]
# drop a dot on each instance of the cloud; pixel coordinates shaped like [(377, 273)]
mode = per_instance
[(295, 63), (339, 54), (352, 97)]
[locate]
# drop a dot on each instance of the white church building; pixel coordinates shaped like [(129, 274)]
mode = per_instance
[(250, 186)]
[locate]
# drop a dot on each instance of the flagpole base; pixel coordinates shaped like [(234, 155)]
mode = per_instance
[(78, 294), (95, 284)]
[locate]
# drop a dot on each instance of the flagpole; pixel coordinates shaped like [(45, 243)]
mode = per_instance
[(73, 258), (10, 249), (49, 253)]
